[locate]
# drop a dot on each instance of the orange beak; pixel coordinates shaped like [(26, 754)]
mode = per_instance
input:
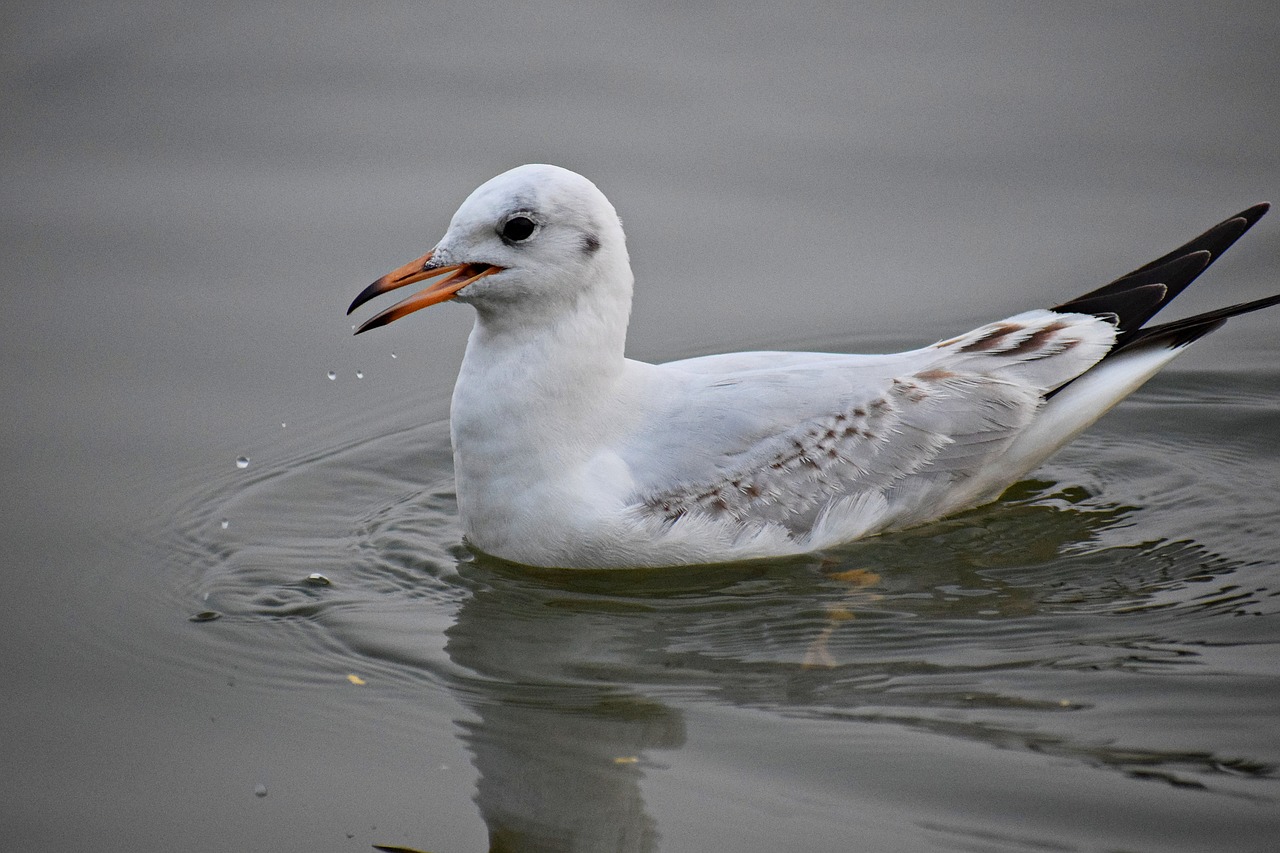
[(456, 277)]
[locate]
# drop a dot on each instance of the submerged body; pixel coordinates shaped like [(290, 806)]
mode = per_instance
[(569, 454)]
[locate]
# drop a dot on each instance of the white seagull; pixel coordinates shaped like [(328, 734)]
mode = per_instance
[(567, 453)]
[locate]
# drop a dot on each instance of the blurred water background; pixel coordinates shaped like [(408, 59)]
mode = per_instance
[(194, 193)]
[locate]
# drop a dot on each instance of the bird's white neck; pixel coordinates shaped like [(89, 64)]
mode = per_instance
[(561, 352), (537, 397)]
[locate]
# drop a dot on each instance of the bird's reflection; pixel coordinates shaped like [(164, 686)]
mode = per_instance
[(559, 749), (576, 678), (568, 669)]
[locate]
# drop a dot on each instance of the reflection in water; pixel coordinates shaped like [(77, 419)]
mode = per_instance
[(563, 778), (1037, 626), (569, 670), (559, 748)]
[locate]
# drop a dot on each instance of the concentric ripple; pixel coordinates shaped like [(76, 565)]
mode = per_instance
[(1137, 569)]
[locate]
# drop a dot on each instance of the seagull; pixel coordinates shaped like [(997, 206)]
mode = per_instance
[(569, 454)]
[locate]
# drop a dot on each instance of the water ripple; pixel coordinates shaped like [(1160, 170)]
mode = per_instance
[(1085, 594)]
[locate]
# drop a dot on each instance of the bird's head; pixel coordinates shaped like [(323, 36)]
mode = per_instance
[(530, 240)]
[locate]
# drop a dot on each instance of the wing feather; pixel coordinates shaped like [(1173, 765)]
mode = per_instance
[(931, 430)]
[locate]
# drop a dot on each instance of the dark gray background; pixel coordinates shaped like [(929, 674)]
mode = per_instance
[(193, 193)]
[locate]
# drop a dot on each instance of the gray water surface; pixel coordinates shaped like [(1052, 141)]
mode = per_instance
[(194, 195)]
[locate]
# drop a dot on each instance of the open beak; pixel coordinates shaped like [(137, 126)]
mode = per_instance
[(456, 277)]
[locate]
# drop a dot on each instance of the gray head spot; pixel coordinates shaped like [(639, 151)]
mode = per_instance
[(590, 243)]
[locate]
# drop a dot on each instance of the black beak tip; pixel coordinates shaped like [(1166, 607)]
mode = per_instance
[(365, 295), (375, 322)]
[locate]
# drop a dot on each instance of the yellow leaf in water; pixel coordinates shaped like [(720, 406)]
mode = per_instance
[(355, 679), (857, 577)]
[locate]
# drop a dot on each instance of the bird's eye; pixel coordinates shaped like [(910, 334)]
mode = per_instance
[(518, 229)]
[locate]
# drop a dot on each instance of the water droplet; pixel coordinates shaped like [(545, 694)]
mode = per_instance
[(206, 616), (359, 374), (333, 374), (242, 462), (393, 355), (317, 579), (259, 790), (225, 524)]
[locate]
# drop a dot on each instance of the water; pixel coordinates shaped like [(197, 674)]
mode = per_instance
[(1090, 664), (1103, 638)]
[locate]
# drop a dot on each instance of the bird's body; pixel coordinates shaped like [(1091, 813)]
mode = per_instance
[(569, 454)]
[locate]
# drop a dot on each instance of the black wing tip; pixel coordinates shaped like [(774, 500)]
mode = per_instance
[(1171, 335), (1181, 333), (1176, 270), (1187, 335), (1139, 296), (1244, 220), (1254, 213), (1119, 306), (1215, 240)]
